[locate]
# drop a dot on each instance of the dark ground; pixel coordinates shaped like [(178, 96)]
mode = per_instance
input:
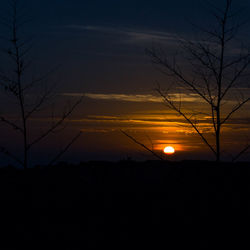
[(126, 205)]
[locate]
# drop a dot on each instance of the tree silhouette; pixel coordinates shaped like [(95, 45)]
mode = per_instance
[(215, 71), (21, 89)]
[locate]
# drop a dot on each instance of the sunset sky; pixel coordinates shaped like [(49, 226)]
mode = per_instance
[(97, 49)]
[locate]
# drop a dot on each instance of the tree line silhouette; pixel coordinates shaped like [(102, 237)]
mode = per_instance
[(215, 72)]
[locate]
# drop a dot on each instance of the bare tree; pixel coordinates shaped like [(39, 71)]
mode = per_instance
[(215, 70), (17, 86)]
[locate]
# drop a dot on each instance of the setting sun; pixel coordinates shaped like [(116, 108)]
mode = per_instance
[(169, 150)]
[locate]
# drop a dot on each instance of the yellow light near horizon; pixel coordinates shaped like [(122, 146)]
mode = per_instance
[(169, 150)]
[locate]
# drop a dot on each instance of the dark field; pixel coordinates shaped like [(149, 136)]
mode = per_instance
[(127, 205)]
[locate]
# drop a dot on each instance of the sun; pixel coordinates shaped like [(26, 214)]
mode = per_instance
[(169, 150)]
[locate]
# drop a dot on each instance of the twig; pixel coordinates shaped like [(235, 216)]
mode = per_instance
[(241, 153), (65, 149), (10, 155), (142, 145), (57, 124), (13, 125)]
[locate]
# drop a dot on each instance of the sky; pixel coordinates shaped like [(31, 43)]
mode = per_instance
[(96, 49)]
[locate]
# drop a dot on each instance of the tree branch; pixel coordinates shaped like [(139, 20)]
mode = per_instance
[(13, 125), (37, 105), (57, 124), (158, 60), (10, 155), (234, 110), (142, 145), (65, 149), (244, 150), (172, 105), (236, 77)]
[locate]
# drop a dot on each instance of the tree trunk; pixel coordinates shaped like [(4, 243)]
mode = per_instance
[(217, 134), (218, 144), (25, 156)]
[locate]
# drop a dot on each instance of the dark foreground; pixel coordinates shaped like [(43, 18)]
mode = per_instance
[(126, 205)]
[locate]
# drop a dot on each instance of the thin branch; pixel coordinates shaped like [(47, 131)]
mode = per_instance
[(152, 145), (57, 124), (8, 84), (158, 60), (13, 125), (142, 145), (170, 103), (65, 149), (38, 104), (10, 155), (193, 49), (244, 150), (235, 78), (237, 60), (39, 79), (234, 110)]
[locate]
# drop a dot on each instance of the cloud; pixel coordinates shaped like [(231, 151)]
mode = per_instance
[(93, 130), (132, 35), (136, 98), (137, 35), (146, 36)]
